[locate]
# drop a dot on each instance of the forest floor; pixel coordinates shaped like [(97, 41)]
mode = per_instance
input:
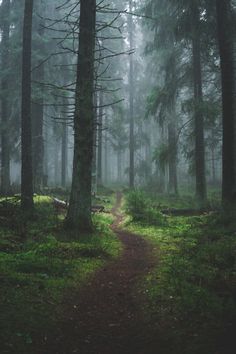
[(163, 285), (105, 316)]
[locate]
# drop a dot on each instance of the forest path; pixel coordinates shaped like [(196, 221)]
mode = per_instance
[(105, 316)]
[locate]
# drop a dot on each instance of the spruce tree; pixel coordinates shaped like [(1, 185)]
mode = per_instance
[(26, 132), (79, 212)]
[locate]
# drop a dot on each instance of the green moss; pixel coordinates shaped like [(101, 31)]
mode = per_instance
[(140, 208), (191, 291), (38, 266)]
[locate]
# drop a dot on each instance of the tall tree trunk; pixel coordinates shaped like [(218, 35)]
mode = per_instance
[(173, 181), (201, 193), (26, 131), (37, 117), (64, 146), (148, 155), (131, 100), (213, 166), (5, 144), (38, 143), (45, 162), (172, 126), (56, 139), (56, 161), (64, 155), (95, 147), (106, 151), (119, 159), (79, 212), (100, 136), (225, 38)]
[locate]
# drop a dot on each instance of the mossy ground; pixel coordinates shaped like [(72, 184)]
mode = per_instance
[(38, 265), (191, 293)]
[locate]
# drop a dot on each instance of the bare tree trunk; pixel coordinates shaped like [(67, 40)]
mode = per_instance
[(38, 143), (79, 212), (38, 116), (131, 100), (5, 144), (64, 146), (26, 131), (95, 147), (172, 126), (201, 193), (119, 157), (64, 155), (56, 149), (225, 28), (173, 180), (213, 166), (100, 136), (106, 151), (45, 162), (148, 156)]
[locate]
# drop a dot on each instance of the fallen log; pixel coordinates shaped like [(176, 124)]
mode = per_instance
[(60, 205), (185, 212), (97, 209)]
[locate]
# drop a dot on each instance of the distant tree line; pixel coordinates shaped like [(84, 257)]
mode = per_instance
[(65, 87), (193, 45)]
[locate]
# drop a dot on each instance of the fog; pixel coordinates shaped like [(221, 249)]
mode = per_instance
[(146, 96)]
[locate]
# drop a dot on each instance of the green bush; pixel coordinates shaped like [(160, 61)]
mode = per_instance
[(140, 208), (192, 290)]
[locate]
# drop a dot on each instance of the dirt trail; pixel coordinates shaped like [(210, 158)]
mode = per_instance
[(105, 318)]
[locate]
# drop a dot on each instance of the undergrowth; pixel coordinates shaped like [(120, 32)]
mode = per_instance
[(192, 290), (140, 208), (38, 265)]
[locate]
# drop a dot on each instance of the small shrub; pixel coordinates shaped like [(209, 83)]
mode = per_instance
[(140, 208), (136, 204)]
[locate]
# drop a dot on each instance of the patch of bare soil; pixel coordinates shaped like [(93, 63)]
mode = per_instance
[(105, 317)]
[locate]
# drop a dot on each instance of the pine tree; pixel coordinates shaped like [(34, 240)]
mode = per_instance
[(26, 132), (38, 75), (226, 46), (5, 104), (100, 139), (79, 212), (131, 99), (198, 100)]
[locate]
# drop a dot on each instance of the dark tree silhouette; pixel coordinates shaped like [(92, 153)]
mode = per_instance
[(100, 139), (224, 20), (38, 74), (198, 115), (79, 212), (26, 133), (131, 100), (5, 144)]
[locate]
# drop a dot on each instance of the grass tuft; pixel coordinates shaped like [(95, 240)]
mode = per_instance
[(38, 266), (191, 293)]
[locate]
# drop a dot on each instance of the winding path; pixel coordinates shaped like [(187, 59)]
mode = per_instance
[(106, 317)]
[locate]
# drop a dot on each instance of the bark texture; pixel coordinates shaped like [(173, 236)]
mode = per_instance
[(131, 101), (26, 131), (64, 155), (201, 193), (5, 112), (173, 180), (79, 212), (100, 137), (172, 125), (38, 115), (225, 38)]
